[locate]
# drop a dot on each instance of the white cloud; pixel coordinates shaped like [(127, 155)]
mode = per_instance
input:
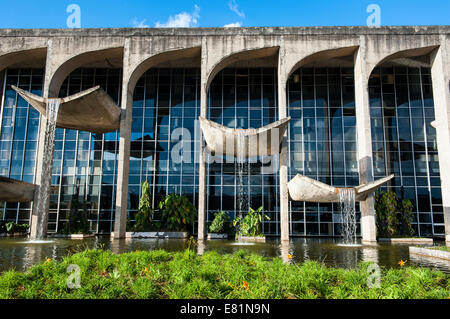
[(233, 25), (139, 24), (182, 20), (235, 8)]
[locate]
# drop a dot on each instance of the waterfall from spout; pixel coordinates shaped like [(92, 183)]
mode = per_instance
[(347, 207), (242, 198), (47, 164)]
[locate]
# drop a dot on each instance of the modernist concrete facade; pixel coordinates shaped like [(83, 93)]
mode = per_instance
[(212, 50)]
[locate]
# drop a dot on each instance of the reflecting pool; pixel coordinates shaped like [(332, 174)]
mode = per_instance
[(21, 253)]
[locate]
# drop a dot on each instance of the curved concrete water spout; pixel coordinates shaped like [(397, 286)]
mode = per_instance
[(92, 110), (244, 142), (305, 189), (14, 191)]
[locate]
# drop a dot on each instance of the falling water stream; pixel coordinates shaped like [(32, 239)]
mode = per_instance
[(347, 207), (242, 196), (49, 146)]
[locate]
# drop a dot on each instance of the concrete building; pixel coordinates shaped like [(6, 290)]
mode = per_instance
[(361, 102)]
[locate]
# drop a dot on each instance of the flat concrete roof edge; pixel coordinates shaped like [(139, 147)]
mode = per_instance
[(268, 31)]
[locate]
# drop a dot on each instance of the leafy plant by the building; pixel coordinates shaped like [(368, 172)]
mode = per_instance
[(220, 224), (144, 216), (177, 212), (394, 216), (78, 222), (250, 225)]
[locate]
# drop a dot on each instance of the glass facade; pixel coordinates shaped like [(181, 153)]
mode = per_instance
[(243, 98), (166, 105), (404, 142), (322, 142), (19, 136)]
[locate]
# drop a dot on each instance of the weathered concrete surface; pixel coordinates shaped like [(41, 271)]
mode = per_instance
[(14, 191), (433, 253), (440, 73), (305, 189), (92, 110), (422, 241), (262, 141)]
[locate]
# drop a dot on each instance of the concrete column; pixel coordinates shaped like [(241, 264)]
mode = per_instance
[(282, 113), (120, 222), (440, 72), (364, 142), (39, 211), (201, 233)]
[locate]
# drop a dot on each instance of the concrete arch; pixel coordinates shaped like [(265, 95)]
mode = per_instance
[(24, 58), (414, 57), (83, 59), (170, 58), (337, 55), (243, 55)]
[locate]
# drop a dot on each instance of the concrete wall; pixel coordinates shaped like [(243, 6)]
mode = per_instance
[(212, 49)]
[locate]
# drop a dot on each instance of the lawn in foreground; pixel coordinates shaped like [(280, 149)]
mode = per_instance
[(161, 274)]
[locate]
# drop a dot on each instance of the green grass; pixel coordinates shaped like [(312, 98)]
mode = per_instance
[(160, 274)]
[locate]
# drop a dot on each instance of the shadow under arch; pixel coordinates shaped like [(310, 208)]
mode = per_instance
[(416, 57), (242, 57), (31, 58), (111, 57), (339, 57), (172, 58)]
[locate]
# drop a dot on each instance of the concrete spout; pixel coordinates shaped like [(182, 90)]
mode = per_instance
[(254, 142), (305, 189), (92, 110), (14, 191)]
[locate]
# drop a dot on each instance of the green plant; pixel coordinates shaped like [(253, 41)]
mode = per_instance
[(177, 212), (186, 275), (220, 224), (144, 216), (12, 227), (394, 216), (250, 225)]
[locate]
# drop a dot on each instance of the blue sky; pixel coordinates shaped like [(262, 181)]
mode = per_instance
[(217, 13)]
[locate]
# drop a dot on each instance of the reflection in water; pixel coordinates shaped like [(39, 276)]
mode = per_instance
[(20, 255)]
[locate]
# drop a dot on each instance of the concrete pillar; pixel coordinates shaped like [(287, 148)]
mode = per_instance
[(364, 142), (201, 233), (282, 113), (123, 168), (440, 72), (39, 211)]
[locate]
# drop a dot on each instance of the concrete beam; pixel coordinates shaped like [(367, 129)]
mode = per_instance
[(12, 190), (123, 165), (92, 110), (282, 113), (201, 230), (364, 141), (440, 73)]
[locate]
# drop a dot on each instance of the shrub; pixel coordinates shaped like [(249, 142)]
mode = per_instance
[(177, 212), (144, 215), (394, 216), (12, 227), (250, 225), (220, 223)]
